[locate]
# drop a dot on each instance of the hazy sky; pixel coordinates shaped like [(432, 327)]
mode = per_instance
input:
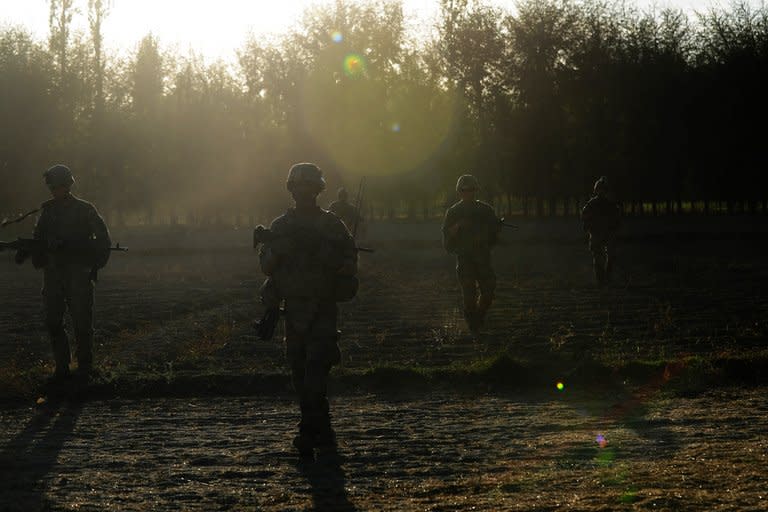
[(215, 28)]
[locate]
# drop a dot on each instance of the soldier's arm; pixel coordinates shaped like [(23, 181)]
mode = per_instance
[(495, 225), (39, 259), (450, 228), (268, 260), (343, 255), (586, 217), (37, 232), (269, 257), (349, 255), (98, 229)]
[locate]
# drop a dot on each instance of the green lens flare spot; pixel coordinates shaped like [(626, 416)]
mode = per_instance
[(354, 65), (560, 386)]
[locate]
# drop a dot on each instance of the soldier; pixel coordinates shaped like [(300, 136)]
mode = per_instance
[(311, 255), (68, 277), (470, 230), (601, 218), (343, 209)]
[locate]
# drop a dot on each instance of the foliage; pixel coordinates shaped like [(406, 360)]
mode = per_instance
[(538, 102)]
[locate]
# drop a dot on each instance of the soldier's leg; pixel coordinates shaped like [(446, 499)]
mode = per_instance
[(487, 283), (80, 299), (598, 260), (295, 351), (322, 353), (54, 306), (465, 271), (609, 255)]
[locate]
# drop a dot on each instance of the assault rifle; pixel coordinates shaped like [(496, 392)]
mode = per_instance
[(40, 249), (19, 218), (345, 286), (262, 235), (35, 246)]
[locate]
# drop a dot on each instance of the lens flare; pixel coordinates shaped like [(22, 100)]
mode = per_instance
[(354, 65), (336, 36), (560, 386), (602, 442), (396, 127)]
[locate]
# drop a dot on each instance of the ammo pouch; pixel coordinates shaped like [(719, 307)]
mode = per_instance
[(345, 287)]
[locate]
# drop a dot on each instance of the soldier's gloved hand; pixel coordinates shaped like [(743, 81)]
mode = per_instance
[(21, 256)]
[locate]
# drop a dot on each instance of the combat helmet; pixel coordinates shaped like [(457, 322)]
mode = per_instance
[(305, 172), (467, 182), (601, 186), (58, 176)]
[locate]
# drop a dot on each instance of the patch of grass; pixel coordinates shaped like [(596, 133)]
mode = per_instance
[(494, 373), (628, 497)]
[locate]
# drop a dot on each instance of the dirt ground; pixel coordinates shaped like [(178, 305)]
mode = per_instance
[(445, 452), (181, 304)]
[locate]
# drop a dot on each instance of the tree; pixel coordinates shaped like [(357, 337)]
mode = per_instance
[(98, 10)]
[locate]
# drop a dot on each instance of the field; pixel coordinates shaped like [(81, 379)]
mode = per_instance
[(668, 365)]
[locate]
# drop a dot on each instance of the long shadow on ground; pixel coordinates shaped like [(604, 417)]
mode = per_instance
[(30, 456), (327, 481)]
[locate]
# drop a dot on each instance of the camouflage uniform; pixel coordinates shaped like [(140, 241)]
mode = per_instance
[(477, 232), (303, 266), (601, 218), (68, 278), (344, 210)]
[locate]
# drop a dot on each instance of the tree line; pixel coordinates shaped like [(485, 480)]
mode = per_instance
[(537, 102)]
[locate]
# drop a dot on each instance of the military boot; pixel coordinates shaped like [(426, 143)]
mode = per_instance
[(304, 445), (319, 426), (304, 441)]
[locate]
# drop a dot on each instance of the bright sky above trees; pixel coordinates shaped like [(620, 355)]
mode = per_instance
[(215, 28)]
